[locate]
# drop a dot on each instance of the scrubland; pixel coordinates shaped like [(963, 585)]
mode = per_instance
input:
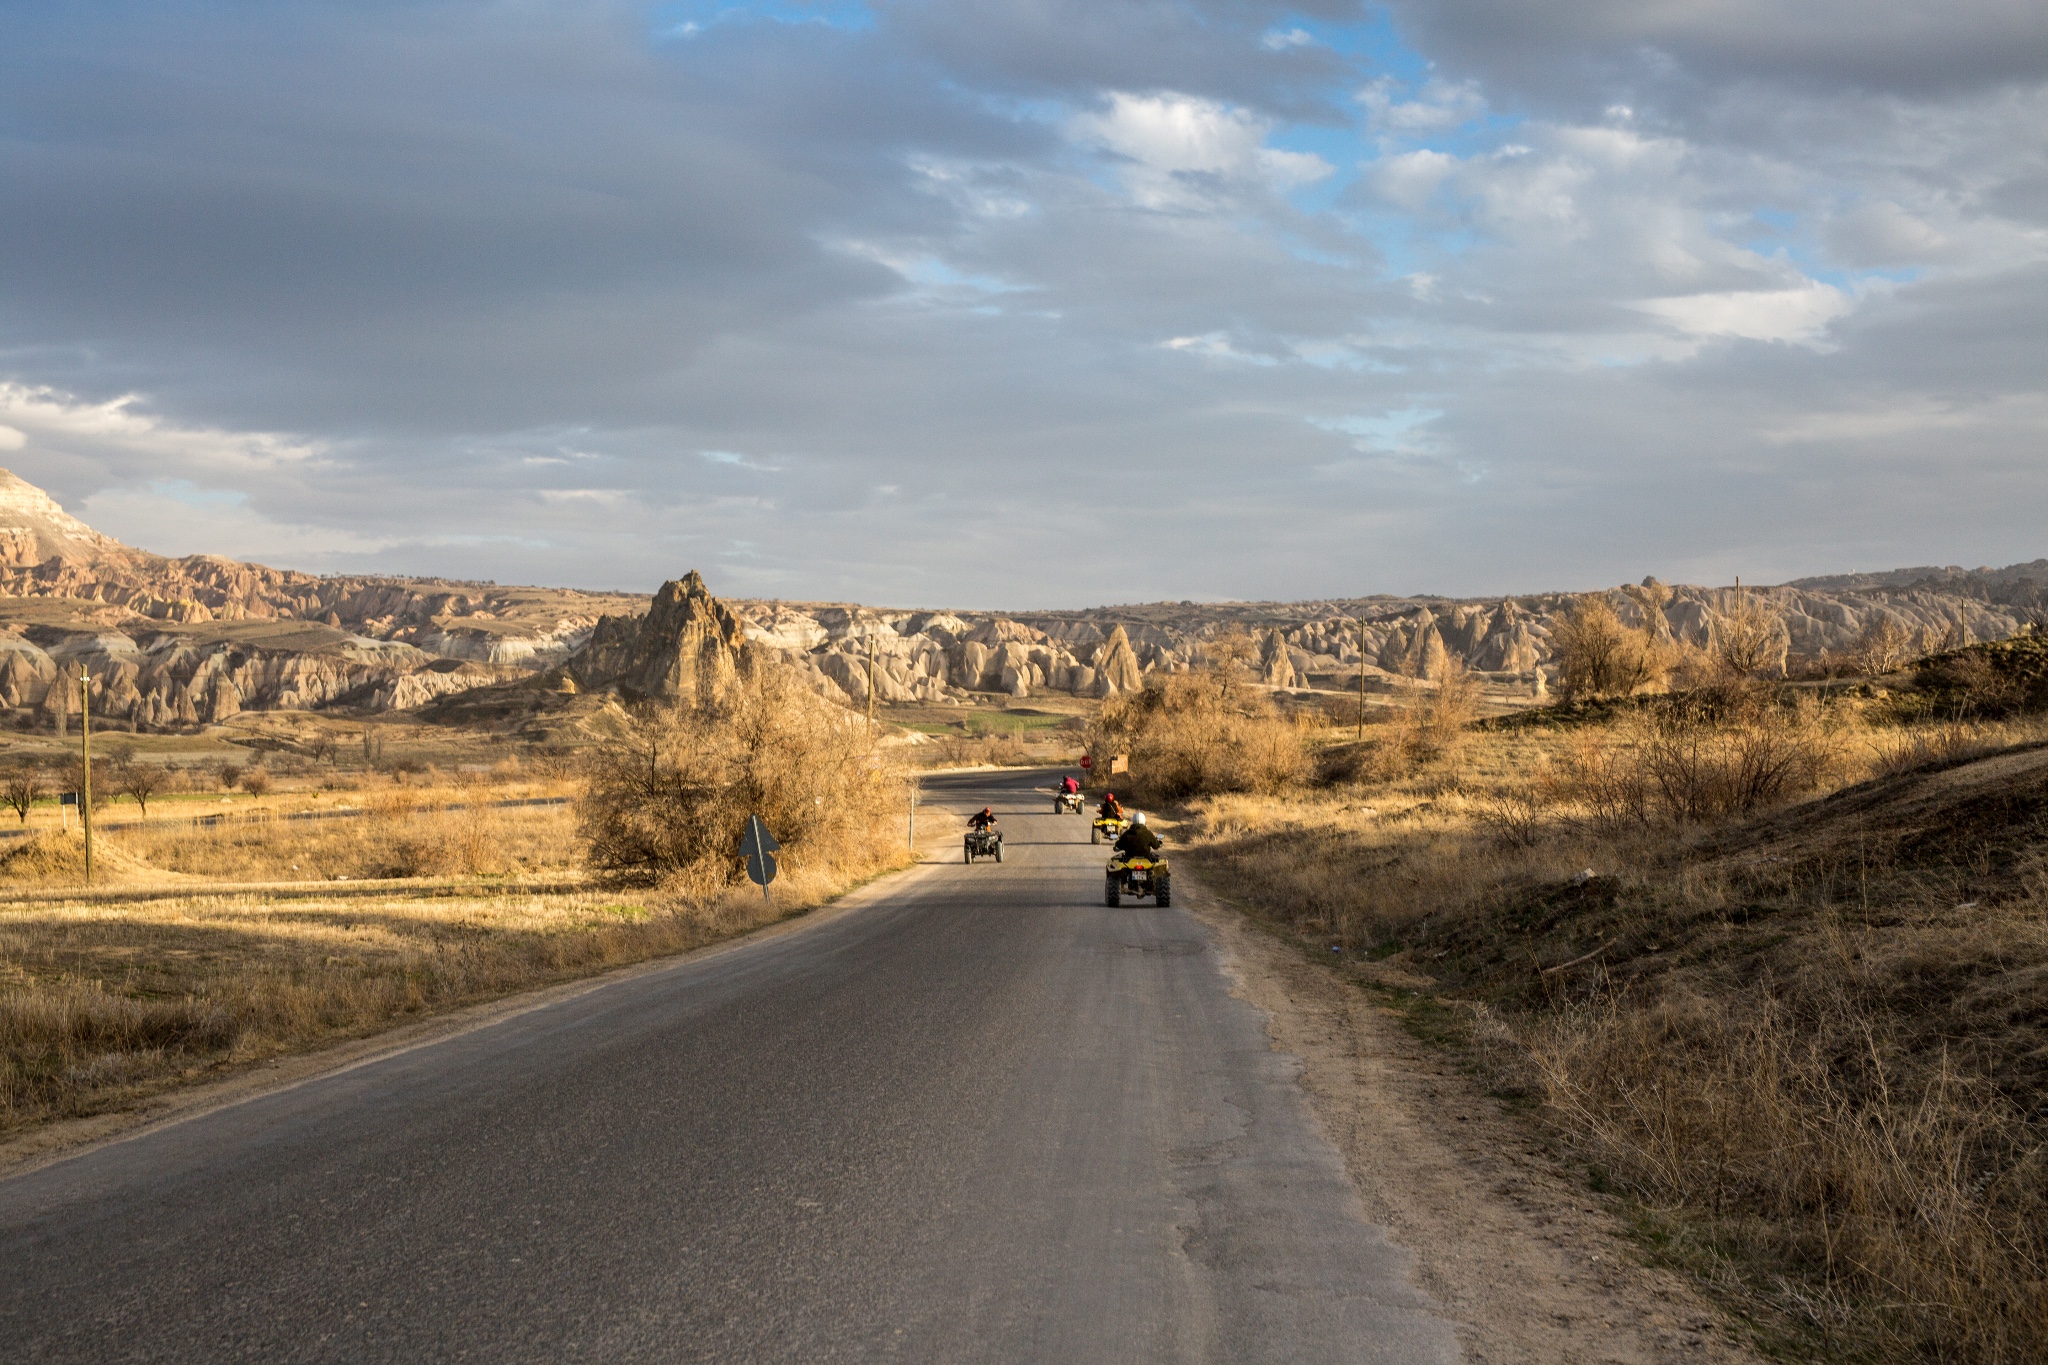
[(218, 935), (1768, 962)]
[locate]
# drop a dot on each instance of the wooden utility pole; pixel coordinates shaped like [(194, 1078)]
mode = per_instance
[(871, 685), (1361, 678), (85, 735)]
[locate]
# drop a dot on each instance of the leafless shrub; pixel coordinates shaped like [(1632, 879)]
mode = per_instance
[(670, 800), (1515, 813), (256, 782), (1434, 727), (1599, 656), (1700, 767), (1750, 640), (1192, 734), (1601, 780), (1883, 645)]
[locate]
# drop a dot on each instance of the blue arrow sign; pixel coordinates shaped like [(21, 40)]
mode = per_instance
[(758, 847)]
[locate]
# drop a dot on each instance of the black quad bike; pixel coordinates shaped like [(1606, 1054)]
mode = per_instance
[(1137, 876), (983, 843)]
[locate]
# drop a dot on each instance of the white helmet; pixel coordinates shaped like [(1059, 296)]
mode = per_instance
[(1138, 817)]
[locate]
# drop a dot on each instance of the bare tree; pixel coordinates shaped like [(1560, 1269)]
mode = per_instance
[(1882, 647), (22, 788), (1749, 639), (1598, 656), (1231, 653), (139, 780), (74, 778)]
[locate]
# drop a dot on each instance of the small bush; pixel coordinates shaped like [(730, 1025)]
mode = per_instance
[(256, 782)]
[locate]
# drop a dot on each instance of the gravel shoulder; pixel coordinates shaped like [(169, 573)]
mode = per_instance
[(1524, 1261)]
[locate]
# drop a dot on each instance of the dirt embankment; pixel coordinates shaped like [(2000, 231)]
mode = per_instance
[(1530, 1265)]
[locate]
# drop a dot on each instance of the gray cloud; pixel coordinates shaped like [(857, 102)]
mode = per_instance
[(1007, 302)]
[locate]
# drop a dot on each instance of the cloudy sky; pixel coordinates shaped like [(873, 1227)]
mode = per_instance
[(1034, 302)]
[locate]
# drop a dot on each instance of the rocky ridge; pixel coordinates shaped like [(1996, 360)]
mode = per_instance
[(173, 643)]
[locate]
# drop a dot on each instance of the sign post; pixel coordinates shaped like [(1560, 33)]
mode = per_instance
[(85, 736), (758, 847)]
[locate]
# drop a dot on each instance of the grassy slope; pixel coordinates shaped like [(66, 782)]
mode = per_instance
[(1812, 1049)]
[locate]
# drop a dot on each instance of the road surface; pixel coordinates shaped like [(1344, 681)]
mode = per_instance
[(980, 1117)]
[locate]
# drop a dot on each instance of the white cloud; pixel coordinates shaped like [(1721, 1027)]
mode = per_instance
[(1165, 138), (1800, 314), (1217, 346), (12, 439), (1278, 40), (1411, 179), (121, 430), (1439, 107)]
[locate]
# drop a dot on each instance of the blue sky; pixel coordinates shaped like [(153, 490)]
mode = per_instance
[(1033, 302)]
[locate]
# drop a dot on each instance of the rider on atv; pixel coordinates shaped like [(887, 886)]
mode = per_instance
[(986, 820), (1111, 808), (1138, 841), (1068, 786)]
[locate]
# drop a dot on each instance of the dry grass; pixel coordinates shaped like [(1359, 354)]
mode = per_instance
[(1196, 734), (106, 999), (1808, 1041), (102, 1004), (400, 833)]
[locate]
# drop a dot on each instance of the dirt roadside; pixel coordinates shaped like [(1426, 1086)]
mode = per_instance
[(1525, 1262)]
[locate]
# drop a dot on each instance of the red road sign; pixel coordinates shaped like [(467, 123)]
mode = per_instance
[(1087, 762)]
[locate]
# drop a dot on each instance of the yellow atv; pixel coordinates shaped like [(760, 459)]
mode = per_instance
[(1108, 829), (1140, 875)]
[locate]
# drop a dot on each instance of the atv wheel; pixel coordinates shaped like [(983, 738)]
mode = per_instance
[(999, 850), (1094, 835), (1163, 892), (1110, 897), (966, 853)]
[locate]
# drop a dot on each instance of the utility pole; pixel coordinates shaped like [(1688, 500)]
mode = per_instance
[(1361, 679), (85, 735), (871, 685)]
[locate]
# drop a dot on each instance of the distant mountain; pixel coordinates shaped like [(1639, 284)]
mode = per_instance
[(181, 642), (178, 643)]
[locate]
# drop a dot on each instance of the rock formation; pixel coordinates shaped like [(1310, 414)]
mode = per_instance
[(686, 648)]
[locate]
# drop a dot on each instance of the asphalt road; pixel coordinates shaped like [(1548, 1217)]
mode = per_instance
[(980, 1118)]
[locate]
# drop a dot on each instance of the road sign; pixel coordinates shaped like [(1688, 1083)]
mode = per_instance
[(758, 847), (1087, 762)]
